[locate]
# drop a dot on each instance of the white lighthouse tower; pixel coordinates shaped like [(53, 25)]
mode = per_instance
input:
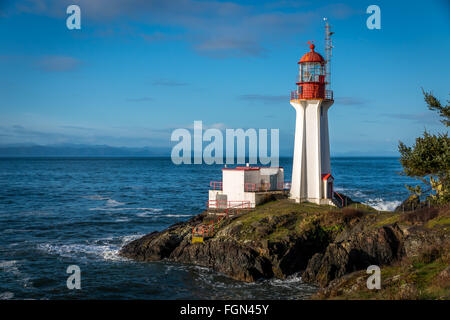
[(311, 171)]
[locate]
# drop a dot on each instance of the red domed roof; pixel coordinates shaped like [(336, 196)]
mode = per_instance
[(312, 56)]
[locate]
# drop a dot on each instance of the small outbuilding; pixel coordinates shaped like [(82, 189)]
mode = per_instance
[(328, 180), (245, 187)]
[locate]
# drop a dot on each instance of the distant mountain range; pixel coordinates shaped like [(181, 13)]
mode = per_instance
[(79, 150), (82, 150)]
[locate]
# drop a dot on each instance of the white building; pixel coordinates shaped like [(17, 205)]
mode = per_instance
[(311, 170), (245, 187)]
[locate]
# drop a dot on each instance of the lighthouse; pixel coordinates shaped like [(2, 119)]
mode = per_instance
[(311, 171)]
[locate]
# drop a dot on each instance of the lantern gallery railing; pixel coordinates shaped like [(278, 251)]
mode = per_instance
[(310, 94)]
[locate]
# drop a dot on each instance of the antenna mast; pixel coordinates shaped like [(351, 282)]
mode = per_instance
[(328, 53)]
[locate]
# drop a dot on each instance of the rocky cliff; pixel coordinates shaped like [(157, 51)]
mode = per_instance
[(275, 240), (280, 238)]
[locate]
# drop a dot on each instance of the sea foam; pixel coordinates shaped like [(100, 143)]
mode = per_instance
[(104, 249), (383, 205), (6, 295)]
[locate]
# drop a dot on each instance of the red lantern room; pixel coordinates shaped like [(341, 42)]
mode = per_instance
[(311, 83)]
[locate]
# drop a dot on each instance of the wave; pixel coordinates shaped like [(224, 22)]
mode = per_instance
[(125, 209), (109, 202), (175, 215), (6, 295), (95, 197), (383, 205), (378, 203), (129, 238), (113, 203), (292, 279), (106, 252), (350, 193), (152, 214), (145, 214), (10, 266), (104, 249)]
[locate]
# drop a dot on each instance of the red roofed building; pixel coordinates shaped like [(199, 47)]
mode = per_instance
[(245, 187)]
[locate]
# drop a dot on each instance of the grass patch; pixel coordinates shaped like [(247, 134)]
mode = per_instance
[(362, 207), (276, 220), (443, 221), (427, 271), (388, 219)]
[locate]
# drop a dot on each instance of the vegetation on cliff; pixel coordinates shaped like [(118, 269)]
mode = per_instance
[(428, 160), (323, 243), (422, 273)]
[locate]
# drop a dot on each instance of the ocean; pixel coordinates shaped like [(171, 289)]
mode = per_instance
[(56, 212)]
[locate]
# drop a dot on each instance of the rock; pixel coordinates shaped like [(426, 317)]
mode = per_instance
[(159, 245), (234, 259), (417, 238), (340, 285), (152, 247), (240, 262), (380, 247), (227, 252)]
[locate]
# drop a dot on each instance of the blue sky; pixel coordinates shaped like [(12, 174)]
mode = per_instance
[(139, 69)]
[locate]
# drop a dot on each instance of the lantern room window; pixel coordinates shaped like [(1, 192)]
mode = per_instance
[(311, 72)]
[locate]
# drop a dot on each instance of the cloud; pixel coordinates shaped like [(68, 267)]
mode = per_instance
[(55, 134), (350, 101), (419, 118), (169, 83), (216, 28), (266, 99), (342, 11), (57, 63), (76, 128), (222, 48)]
